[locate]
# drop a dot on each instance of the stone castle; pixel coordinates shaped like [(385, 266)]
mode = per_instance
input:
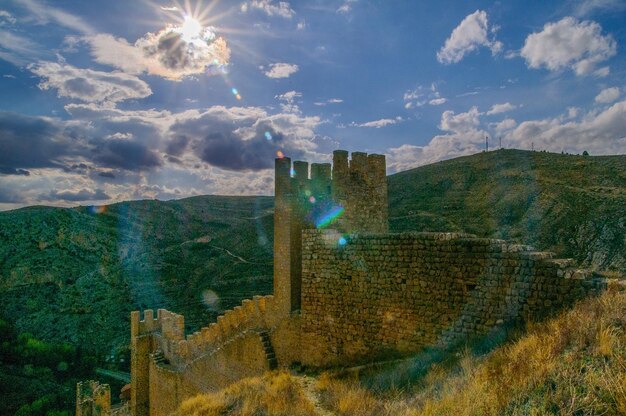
[(345, 291)]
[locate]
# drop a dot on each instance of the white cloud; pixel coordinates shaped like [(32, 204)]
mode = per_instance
[(383, 122), (166, 53), (460, 123), (17, 49), (503, 126), (346, 7), (586, 7), (568, 43), (6, 17), (464, 137), (281, 70), (288, 99), (501, 108), (88, 85), (270, 8), (335, 101), (598, 133), (608, 95), (468, 36), (44, 14), (437, 101), (421, 96)]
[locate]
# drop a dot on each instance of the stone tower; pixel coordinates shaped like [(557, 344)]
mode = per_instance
[(353, 200)]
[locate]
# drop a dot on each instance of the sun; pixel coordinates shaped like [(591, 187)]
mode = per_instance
[(191, 29)]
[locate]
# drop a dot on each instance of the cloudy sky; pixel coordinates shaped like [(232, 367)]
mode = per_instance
[(102, 101)]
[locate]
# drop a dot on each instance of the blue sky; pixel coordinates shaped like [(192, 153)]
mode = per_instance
[(109, 101)]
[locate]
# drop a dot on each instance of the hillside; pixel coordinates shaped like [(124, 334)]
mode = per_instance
[(574, 206), (74, 274), (574, 364)]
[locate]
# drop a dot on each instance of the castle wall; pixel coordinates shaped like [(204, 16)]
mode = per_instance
[(400, 292), (351, 195), (359, 186), (168, 366), (243, 356)]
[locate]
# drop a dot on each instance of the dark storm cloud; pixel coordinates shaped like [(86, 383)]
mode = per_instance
[(228, 151), (30, 142), (38, 142), (13, 171), (126, 154), (109, 175), (171, 51), (177, 145), (232, 141), (77, 196)]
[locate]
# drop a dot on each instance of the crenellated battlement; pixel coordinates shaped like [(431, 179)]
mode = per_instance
[(168, 324), (348, 196), (178, 349)]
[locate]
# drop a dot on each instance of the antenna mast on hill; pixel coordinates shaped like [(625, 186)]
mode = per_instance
[(500, 138), (486, 143)]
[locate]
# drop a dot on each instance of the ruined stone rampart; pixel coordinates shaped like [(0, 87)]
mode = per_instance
[(167, 366), (400, 292), (168, 329)]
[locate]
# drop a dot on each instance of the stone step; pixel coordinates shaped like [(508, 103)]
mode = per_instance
[(270, 354)]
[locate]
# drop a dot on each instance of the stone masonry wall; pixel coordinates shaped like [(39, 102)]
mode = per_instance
[(400, 292), (168, 366)]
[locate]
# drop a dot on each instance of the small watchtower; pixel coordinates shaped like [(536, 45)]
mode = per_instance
[(350, 198)]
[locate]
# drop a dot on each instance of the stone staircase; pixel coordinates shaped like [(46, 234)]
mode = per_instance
[(159, 358), (270, 354)]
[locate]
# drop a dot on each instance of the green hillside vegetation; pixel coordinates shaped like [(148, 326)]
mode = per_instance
[(574, 206), (38, 377), (574, 364), (71, 275)]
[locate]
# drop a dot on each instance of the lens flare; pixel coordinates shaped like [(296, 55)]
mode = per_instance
[(312, 199), (210, 299), (280, 154), (327, 218), (268, 135), (342, 241), (97, 209), (292, 172)]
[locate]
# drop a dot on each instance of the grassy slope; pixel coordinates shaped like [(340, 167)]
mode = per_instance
[(572, 205), (574, 364)]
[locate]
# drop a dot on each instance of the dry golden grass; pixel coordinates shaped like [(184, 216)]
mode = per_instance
[(574, 364), (276, 393)]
